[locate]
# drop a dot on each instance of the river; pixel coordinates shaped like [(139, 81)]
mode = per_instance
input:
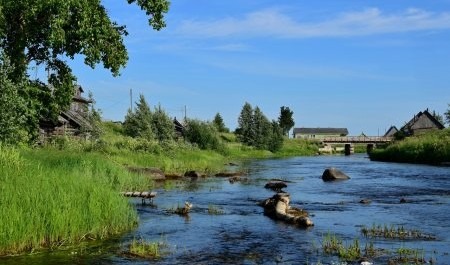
[(241, 234)]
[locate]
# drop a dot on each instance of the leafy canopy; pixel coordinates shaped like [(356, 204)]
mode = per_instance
[(42, 31), (48, 33)]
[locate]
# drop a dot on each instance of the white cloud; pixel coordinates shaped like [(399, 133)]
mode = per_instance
[(273, 22)]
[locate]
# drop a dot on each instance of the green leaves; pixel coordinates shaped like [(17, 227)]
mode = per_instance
[(155, 9), (45, 32), (256, 130)]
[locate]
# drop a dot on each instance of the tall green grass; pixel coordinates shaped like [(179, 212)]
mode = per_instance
[(298, 147), (51, 198), (428, 148)]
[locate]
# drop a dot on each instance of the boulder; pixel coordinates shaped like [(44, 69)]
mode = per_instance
[(277, 207), (275, 185), (331, 174)]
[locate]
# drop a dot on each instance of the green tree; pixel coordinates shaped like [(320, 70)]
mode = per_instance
[(220, 125), (162, 125), (276, 137), (245, 131), (139, 122), (262, 129), (285, 120), (203, 134), (13, 108), (46, 32)]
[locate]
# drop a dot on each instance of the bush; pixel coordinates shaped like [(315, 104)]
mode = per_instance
[(203, 134)]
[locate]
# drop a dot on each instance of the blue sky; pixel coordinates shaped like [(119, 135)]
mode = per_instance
[(363, 65)]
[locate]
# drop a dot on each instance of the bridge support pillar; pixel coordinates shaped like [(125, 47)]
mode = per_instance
[(348, 149), (370, 147)]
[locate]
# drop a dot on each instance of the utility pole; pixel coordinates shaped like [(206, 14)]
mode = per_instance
[(185, 113), (131, 99)]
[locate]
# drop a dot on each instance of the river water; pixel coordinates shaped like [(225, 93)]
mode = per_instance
[(241, 234)]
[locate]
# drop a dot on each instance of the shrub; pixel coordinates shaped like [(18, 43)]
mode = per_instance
[(203, 134)]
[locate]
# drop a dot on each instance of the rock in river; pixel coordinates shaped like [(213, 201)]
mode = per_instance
[(275, 185), (331, 174), (278, 208)]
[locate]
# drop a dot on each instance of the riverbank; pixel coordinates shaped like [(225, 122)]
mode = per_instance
[(51, 198), (68, 191), (429, 148)]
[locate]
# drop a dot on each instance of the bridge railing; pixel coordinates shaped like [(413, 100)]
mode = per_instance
[(357, 139)]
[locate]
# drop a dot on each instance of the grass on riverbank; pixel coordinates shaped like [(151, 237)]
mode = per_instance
[(51, 198), (180, 156), (428, 148)]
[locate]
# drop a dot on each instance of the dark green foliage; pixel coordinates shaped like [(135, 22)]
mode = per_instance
[(203, 134), (245, 131), (262, 129), (42, 33), (162, 125), (286, 121), (256, 130), (220, 125), (149, 125), (13, 108), (276, 140), (139, 122)]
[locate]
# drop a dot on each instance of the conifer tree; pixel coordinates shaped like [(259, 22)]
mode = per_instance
[(218, 122), (162, 125), (245, 131)]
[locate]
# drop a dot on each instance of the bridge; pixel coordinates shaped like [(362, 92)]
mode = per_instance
[(348, 141)]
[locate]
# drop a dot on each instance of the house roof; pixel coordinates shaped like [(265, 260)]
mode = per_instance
[(321, 131), (422, 120), (391, 131), (75, 117), (81, 99)]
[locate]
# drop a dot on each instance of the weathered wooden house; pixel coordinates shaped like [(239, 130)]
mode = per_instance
[(71, 122), (422, 122), (319, 133), (391, 132)]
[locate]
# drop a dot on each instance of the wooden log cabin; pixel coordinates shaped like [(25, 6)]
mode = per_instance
[(71, 122)]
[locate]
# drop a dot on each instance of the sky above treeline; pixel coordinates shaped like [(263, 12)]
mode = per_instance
[(362, 65)]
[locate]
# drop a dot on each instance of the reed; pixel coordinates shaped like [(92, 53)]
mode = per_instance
[(52, 198)]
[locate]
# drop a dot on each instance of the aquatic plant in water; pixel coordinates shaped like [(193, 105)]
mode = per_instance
[(145, 249), (392, 232)]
